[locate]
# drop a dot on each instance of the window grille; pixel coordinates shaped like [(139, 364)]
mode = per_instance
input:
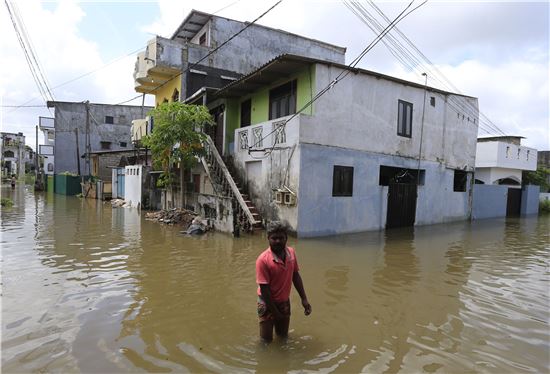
[(243, 140), (257, 136), (279, 132)]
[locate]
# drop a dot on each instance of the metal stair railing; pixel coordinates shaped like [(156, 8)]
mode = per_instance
[(214, 156)]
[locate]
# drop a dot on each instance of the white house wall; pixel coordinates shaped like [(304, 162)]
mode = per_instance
[(505, 155), (360, 113)]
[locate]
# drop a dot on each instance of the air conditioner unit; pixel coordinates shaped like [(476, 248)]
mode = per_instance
[(290, 199), (279, 197)]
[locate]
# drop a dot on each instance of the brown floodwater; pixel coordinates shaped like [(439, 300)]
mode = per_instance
[(87, 288)]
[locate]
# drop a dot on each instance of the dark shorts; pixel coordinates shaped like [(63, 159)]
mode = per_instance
[(265, 315)]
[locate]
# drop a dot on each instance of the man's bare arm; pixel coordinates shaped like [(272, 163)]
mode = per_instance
[(299, 285)]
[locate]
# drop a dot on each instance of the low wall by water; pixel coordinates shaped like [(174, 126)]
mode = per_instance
[(544, 196), (530, 200), (489, 201)]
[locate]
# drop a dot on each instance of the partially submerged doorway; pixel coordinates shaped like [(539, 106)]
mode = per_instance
[(402, 194)]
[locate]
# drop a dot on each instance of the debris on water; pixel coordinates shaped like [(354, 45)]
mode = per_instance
[(172, 216), (119, 203), (197, 227)]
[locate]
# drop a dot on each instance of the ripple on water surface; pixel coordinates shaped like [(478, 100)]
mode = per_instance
[(87, 288)]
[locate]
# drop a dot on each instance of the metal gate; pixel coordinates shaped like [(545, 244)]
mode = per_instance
[(120, 183), (513, 204), (401, 205)]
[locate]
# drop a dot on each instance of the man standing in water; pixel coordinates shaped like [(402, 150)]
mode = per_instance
[(276, 271)]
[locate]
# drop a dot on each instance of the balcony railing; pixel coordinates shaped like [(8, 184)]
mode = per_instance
[(274, 133)]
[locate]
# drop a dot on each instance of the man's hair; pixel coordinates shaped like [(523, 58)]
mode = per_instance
[(276, 227)]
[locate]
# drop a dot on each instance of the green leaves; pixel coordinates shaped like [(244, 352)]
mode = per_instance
[(177, 135)]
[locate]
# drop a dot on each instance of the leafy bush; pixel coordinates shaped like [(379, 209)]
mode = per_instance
[(6, 202), (544, 206)]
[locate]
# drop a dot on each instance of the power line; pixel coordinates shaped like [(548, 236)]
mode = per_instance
[(81, 76), (343, 74), (417, 61)]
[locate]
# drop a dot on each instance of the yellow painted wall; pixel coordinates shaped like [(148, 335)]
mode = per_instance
[(165, 92)]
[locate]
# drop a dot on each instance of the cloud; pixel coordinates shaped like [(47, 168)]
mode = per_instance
[(496, 51), (63, 54)]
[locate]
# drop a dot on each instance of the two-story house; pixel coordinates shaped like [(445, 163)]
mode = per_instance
[(12, 151), (373, 152), (82, 128), (46, 150)]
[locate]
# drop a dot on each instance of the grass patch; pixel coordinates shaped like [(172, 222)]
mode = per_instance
[(5, 202), (544, 207)]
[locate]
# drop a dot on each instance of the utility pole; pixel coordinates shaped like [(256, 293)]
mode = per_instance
[(421, 129), (88, 136), (77, 151)]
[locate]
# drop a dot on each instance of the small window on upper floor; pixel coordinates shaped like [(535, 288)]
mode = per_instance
[(202, 39), (404, 118), (432, 100), (507, 151), (519, 152), (105, 145), (109, 119), (282, 100), (342, 181), (527, 155), (123, 144), (246, 113)]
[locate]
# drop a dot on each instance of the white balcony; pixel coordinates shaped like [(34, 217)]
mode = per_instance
[(161, 61), (498, 154)]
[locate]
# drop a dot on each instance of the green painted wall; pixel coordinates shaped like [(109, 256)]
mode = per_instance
[(260, 101)]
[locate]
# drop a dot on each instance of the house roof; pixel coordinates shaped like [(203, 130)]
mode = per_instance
[(286, 65), (498, 137), (191, 24), (196, 20)]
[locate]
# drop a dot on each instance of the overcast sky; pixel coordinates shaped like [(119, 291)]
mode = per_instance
[(495, 51)]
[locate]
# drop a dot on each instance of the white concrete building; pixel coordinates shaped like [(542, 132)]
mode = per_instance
[(12, 151), (47, 150), (502, 159), (373, 152)]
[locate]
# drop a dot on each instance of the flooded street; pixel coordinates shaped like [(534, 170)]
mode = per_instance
[(88, 288)]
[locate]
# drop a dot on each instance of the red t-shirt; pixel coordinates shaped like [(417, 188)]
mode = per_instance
[(278, 274)]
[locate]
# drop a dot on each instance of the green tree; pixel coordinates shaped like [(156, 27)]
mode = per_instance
[(177, 137), (538, 177)]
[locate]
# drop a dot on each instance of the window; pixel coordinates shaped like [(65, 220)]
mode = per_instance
[(527, 157), (105, 145), (342, 181), (519, 152), (50, 167), (109, 120), (460, 179), (432, 100), (202, 39), (404, 118), (246, 112), (507, 152), (282, 100), (123, 144)]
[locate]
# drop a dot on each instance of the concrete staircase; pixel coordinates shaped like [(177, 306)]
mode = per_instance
[(224, 184)]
